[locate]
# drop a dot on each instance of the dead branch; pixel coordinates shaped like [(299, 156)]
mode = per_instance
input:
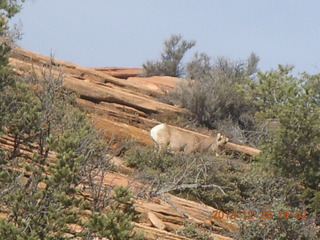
[(189, 186)]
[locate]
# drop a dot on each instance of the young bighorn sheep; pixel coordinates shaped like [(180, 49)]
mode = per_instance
[(174, 139)]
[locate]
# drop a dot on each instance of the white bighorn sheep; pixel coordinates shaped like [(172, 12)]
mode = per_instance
[(174, 139)]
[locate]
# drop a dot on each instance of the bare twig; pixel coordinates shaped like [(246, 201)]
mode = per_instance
[(189, 186)]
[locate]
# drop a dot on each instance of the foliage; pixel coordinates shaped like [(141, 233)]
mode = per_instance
[(212, 91), (278, 228), (212, 94), (264, 191), (249, 188), (171, 58), (198, 176), (189, 230), (7, 10), (8, 230), (290, 107), (20, 114), (117, 223), (40, 191)]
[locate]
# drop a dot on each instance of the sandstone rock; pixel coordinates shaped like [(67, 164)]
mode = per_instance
[(119, 72), (156, 84), (156, 221)]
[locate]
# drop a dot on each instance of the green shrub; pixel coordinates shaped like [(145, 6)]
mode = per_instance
[(8, 230), (247, 187), (212, 94), (263, 191), (289, 107), (67, 155), (117, 223), (189, 230), (200, 176), (171, 58), (21, 115), (7, 10), (278, 228)]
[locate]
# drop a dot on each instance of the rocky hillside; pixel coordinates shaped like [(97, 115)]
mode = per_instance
[(124, 106)]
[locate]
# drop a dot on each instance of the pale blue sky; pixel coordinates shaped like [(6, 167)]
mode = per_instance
[(127, 33)]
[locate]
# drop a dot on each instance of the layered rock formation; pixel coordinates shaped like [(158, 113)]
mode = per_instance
[(121, 103)]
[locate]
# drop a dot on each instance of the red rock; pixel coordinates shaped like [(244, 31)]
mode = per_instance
[(156, 221), (119, 72)]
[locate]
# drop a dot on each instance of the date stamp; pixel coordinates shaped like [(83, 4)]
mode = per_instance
[(217, 214)]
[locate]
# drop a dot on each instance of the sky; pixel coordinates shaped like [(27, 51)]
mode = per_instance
[(127, 33)]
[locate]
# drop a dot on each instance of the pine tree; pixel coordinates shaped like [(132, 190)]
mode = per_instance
[(290, 108), (7, 10), (116, 224)]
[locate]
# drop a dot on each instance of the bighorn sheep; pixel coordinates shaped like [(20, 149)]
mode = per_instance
[(174, 139)]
